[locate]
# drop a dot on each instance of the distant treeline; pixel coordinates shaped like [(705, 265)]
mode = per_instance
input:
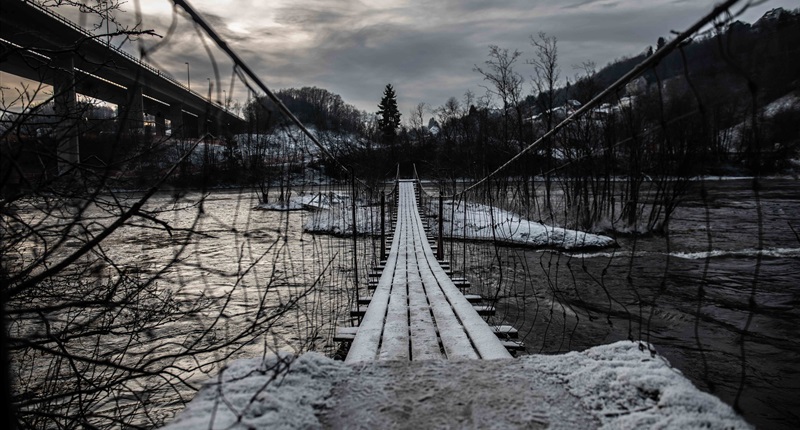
[(316, 107), (700, 110), (711, 92), (725, 78)]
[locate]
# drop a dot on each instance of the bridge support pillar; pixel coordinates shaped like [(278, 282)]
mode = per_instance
[(131, 114), (190, 126), (176, 119), (214, 126), (66, 109), (161, 124), (202, 124)]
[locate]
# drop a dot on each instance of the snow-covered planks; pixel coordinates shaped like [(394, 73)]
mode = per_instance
[(424, 341), (368, 339), (417, 312)]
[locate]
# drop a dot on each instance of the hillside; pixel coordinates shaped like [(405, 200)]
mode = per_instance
[(764, 52)]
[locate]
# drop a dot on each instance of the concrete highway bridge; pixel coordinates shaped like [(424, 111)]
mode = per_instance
[(40, 45)]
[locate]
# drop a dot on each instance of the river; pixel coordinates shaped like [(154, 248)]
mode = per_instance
[(722, 312)]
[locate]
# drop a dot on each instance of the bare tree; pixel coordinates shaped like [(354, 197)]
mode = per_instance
[(505, 82), (417, 122), (94, 335), (545, 81), (586, 84), (546, 73)]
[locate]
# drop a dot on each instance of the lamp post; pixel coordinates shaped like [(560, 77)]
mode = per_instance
[(225, 99), (108, 31), (188, 77)]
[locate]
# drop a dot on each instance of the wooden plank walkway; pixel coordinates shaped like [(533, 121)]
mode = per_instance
[(417, 312)]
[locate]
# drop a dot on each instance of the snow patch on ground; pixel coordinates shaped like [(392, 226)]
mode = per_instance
[(336, 217), (331, 213), (628, 388), (787, 102), (481, 222), (734, 135), (619, 386), (700, 255), (277, 392)]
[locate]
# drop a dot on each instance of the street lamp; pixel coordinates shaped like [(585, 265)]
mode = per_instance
[(108, 31), (188, 77)]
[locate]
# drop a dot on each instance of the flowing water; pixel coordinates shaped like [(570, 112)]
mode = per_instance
[(231, 282), (718, 296)]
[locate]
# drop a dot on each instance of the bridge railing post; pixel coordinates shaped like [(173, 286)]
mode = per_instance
[(440, 248), (355, 233), (383, 226)]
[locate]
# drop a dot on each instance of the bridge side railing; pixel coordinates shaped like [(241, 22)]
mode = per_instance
[(93, 38)]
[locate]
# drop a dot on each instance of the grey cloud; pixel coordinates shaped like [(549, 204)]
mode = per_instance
[(580, 4), (368, 58), (426, 49), (308, 17)]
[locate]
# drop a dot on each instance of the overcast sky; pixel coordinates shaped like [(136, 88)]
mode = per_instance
[(426, 48)]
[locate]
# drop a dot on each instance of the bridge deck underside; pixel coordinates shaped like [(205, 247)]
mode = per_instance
[(417, 312)]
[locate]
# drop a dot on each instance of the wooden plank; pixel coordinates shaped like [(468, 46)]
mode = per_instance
[(395, 341), (454, 338), (505, 331), (345, 334), (484, 310), (449, 331), (366, 343), (473, 298), (481, 336), (424, 341), (484, 339), (358, 311), (513, 345)]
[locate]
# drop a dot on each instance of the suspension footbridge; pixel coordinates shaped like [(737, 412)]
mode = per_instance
[(417, 312), (425, 328)]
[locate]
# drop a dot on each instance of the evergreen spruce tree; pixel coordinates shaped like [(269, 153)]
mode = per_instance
[(389, 120)]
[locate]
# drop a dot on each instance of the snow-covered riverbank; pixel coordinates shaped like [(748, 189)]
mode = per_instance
[(473, 221), (333, 215)]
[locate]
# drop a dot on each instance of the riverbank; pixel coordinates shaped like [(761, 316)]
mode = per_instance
[(621, 385)]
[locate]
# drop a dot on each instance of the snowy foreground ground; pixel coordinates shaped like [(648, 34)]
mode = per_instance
[(616, 386)]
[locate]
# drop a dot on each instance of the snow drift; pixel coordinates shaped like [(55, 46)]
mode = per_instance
[(621, 385), (472, 221)]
